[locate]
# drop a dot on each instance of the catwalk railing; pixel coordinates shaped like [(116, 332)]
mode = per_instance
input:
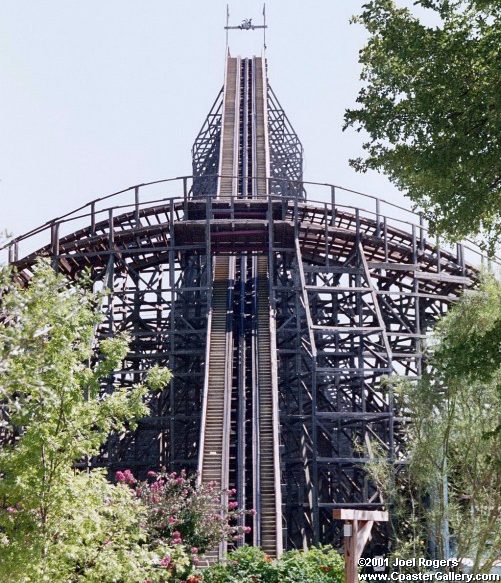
[(134, 200)]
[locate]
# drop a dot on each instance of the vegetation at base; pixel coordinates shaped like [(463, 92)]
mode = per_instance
[(431, 109), (250, 564), (454, 439), (59, 523)]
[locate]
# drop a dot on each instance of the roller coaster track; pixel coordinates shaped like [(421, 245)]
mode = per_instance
[(243, 148), (261, 300), (215, 444), (267, 483)]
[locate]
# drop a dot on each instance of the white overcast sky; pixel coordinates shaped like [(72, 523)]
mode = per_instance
[(99, 95)]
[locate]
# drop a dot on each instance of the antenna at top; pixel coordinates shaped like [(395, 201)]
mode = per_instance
[(246, 24)]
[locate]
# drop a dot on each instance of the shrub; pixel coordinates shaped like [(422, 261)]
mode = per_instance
[(184, 512), (317, 565), (244, 564)]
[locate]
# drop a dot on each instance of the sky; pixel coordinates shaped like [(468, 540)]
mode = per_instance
[(97, 96)]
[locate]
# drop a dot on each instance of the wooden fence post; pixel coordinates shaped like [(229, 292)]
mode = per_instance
[(357, 531)]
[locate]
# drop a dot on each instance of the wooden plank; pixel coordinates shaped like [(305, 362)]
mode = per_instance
[(413, 294), (363, 534), (330, 289), (405, 334), (346, 329), (354, 514), (442, 277), (375, 301), (394, 266)]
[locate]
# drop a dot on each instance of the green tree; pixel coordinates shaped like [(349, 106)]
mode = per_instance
[(467, 359), (454, 434), (57, 523), (431, 107), (468, 341)]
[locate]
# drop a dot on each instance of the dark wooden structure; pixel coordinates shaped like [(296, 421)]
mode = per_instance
[(279, 315)]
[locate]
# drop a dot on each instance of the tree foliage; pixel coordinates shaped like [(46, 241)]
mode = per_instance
[(58, 523), (61, 524), (454, 438), (431, 107), (465, 396), (468, 340)]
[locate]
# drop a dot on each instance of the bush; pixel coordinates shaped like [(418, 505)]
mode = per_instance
[(317, 565), (180, 511)]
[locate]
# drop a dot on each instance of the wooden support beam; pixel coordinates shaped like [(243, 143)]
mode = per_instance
[(354, 514), (357, 531)]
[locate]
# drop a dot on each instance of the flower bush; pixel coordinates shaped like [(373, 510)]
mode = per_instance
[(182, 512)]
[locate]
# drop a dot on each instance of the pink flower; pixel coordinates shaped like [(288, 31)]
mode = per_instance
[(107, 542), (125, 477), (247, 529), (232, 492), (232, 505), (165, 562), (172, 520), (129, 478), (151, 474), (194, 550), (179, 481), (155, 487), (11, 510)]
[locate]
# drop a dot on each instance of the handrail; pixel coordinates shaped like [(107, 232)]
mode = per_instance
[(187, 195)]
